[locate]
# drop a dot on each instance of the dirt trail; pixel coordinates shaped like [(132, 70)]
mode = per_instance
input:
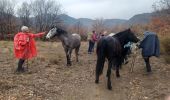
[(49, 78)]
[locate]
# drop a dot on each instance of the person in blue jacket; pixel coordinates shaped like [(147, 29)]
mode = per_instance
[(150, 47)]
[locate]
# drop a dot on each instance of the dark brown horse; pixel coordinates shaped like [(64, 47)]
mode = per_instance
[(112, 48)]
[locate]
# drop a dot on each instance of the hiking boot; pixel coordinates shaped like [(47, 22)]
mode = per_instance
[(21, 70)]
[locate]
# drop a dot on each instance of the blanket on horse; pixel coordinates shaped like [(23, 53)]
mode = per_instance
[(150, 45)]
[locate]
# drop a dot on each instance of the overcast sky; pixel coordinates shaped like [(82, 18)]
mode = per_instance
[(123, 9)]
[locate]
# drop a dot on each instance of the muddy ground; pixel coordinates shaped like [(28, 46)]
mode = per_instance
[(48, 77)]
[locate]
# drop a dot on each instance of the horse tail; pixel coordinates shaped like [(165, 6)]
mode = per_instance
[(101, 46)]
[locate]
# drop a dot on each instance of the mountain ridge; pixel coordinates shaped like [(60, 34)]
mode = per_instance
[(143, 18)]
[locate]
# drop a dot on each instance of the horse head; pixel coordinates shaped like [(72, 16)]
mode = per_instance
[(131, 36), (55, 32), (52, 33)]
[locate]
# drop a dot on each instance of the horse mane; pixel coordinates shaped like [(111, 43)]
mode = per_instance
[(122, 36), (61, 31), (122, 33)]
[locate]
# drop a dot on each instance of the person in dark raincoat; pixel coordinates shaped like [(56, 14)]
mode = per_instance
[(150, 47)]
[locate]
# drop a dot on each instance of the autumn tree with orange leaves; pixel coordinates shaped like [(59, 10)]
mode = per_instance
[(161, 23)]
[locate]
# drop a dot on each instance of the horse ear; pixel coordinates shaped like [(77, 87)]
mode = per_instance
[(53, 26)]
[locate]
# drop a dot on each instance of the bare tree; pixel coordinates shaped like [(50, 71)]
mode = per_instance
[(161, 23), (24, 14), (99, 25), (78, 27), (163, 6), (7, 18), (46, 13)]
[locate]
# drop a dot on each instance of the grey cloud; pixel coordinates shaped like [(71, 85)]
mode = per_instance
[(105, 8)]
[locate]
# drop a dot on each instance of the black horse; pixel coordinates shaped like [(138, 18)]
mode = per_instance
[(112, 48)]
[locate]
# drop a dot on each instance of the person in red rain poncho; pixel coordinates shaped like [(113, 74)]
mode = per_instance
[(24, 46)]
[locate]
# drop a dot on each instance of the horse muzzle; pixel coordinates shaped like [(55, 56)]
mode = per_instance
[(47, 37)]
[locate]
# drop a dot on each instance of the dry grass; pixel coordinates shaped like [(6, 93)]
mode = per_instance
[(48, 77)]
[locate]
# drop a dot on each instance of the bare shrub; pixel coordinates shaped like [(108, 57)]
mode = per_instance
[(166, 49)]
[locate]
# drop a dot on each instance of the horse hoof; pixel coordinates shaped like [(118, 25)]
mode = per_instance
[(126, 62), (96, 81), (118, 76), (149, 71), (110, 87), (68, 64)]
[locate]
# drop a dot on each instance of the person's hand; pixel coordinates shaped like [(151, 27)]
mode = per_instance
[(45, 32)]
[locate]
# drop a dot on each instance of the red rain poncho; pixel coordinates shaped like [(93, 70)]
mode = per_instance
[(24, 45)]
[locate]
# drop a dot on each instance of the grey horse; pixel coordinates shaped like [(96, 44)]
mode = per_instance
[(69, 42)]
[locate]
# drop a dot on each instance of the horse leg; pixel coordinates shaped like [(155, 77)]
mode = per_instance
[(148, 67), (76, 52), (117, 69), (69, 57), (109, 75), (99, 68)]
